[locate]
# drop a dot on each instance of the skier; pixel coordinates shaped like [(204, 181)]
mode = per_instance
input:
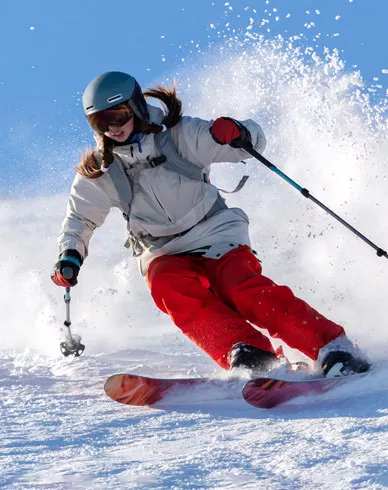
[(193, 249)]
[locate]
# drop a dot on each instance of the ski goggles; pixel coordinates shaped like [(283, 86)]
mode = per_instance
[(116, 116)]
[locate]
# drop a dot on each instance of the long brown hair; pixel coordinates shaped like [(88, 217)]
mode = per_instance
[(90, 167)]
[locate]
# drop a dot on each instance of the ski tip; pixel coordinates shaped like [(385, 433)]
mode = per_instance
[(123, 387)]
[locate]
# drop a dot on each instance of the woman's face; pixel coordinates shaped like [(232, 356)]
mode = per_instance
[(120, 133), (117, 123)]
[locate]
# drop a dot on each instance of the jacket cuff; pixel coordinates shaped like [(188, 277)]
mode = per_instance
[(71, 253)]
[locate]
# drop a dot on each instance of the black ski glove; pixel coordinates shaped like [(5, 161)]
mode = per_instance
[(66, 270)]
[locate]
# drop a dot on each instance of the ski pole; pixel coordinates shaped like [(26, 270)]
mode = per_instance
[(72, 345), (247, 146)]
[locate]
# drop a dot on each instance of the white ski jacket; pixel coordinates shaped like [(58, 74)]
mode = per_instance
[(167, 211)]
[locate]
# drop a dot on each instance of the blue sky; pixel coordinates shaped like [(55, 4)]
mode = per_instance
[(50, 50)]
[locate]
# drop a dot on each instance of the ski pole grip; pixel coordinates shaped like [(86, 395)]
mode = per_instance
[(67, 272), (244, 144)]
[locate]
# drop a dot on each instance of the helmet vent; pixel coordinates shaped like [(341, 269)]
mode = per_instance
[(89, 107), (115, 98)]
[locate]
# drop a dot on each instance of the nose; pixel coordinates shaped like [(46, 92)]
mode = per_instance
[(114, 130)]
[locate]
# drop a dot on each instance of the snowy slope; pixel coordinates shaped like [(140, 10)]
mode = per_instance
[(59, 431)]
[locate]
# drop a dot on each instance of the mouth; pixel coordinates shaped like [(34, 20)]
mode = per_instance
[(118, 135)]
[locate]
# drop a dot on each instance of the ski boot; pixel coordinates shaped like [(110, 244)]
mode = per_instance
[(341, 358), (339, 363), (249, 357)]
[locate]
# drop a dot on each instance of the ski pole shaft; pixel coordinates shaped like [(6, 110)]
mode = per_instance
[(67, 299), (306, 193), (69, 338), (72, 344)]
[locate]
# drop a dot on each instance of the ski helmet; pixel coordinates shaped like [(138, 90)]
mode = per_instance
[(112, 88)]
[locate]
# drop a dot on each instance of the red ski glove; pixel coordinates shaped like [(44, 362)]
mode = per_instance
[(225, 131)]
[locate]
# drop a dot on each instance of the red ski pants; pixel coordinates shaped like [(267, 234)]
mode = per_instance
[(212, 301)]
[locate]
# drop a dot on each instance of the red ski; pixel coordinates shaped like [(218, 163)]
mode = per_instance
[(132, 389), (271, 392)]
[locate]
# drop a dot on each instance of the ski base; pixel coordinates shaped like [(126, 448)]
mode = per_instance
[(132, 389), (271, 392)]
